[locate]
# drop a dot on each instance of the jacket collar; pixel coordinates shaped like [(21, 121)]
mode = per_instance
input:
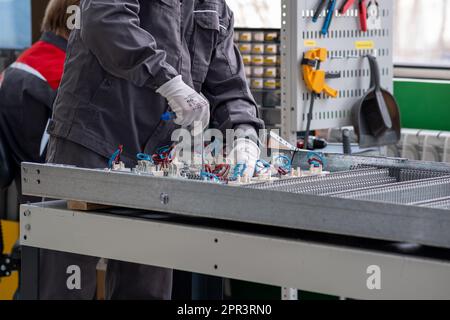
[(54, 39)]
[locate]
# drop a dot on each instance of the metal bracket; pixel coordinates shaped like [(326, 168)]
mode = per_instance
[(8, 264)]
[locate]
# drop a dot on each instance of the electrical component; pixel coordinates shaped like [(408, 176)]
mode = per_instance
[(146, 167), (165, 164), (220, 171), (114, 162), (283, 165), (120, 167), (163, 157), (262, 168), (296, 173), (238, 171)]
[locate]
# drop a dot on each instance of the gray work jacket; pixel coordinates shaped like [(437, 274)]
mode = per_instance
[(125, 50)]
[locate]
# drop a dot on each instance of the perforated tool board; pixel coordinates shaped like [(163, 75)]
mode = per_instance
[(347, 45)]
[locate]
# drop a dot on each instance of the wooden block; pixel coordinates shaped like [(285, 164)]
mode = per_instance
[(85, 206), (101, 279)]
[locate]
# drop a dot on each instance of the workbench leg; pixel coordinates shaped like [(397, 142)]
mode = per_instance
[(192, 286), (206, 287), (182, 286), (29, 287)]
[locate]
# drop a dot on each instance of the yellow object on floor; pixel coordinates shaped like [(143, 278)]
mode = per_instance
[(8, 285)]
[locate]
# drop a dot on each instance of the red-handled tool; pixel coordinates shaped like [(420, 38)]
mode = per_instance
[(347, 4), (363, 14)]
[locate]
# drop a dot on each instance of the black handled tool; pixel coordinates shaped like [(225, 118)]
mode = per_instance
[(376, 117), (319, 10)]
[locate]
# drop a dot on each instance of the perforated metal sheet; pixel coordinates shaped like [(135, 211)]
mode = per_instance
[(347, 46), (322, 185)]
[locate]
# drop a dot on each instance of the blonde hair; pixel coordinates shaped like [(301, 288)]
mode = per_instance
[(56, 16)]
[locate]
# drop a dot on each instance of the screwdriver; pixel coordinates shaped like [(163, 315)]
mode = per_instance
[(329, 17), (319, 10), (167, 116)]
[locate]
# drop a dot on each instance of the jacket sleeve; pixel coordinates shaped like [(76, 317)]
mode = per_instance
[(39, 91), (20, 88), (27, 103), (226, 86), (111, 30)]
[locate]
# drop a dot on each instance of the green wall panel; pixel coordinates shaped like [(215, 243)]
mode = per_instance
[(424, 104)]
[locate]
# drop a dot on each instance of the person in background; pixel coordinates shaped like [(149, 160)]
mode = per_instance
[(28, 89)]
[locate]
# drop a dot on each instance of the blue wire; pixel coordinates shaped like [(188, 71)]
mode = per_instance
[(287, 166), (209, 176), (113, 157), (239, 170), (316, 159), (163, 149), (144, 157), (167, 116)]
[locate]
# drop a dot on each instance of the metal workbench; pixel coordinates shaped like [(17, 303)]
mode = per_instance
[(395, 201), (316, 233)]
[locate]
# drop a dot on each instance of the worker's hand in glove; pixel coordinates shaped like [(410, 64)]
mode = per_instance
[(189, 106), (246, 153)]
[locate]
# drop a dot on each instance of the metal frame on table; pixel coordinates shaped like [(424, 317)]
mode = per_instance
[(348, 217)]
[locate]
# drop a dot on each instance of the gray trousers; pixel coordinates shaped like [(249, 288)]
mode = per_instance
[(123, 280)]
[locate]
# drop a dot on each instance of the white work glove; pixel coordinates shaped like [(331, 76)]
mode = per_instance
[(188, 105), (246, 152)]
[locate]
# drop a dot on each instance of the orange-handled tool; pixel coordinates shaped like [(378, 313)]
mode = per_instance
[(312, 75), (315, 82)]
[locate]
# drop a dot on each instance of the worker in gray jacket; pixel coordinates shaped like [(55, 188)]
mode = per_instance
[(130, 62)]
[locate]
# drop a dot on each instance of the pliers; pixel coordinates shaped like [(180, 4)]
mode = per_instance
[(362, 12), (347, 4)]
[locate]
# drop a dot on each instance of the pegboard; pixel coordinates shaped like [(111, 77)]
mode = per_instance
[(347, 45)]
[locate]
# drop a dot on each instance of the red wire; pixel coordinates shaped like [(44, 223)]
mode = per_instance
[(117, 159), (164, 158), (221, 171)]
